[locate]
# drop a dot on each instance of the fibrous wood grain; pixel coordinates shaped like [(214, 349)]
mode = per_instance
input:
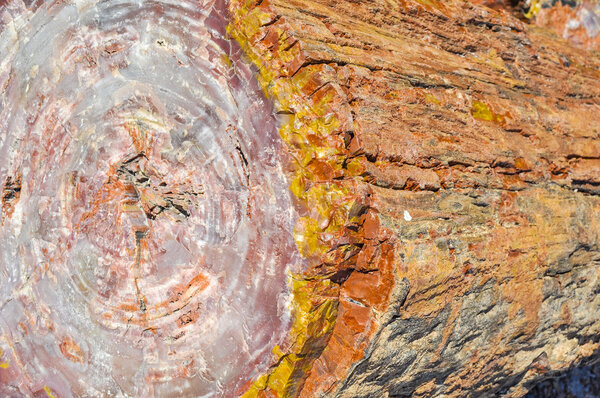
[(469, 140)]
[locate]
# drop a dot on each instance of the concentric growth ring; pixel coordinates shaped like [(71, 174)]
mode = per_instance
[(146, 219)]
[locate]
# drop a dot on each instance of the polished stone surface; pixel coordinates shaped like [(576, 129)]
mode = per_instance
[(146, 217)]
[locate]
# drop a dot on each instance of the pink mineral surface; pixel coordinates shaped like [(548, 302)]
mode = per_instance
[(146, 239)]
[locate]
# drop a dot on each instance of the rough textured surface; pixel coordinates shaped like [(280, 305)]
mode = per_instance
[(577, 21), (581, 382), (469, 142)]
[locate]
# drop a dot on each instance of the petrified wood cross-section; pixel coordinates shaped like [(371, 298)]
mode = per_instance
[(282, 198), (147, 223)]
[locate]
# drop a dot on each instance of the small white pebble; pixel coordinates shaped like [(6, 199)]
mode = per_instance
[(407, 215), (572, 24)]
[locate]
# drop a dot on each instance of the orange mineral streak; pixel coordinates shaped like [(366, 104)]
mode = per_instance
[(363, 296), (179, 299), (71, 350), (111, 192), (138, 136)]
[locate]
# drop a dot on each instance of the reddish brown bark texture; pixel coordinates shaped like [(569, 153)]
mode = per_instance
[(478, 141)]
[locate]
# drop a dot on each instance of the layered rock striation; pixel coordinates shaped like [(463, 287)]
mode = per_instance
[(467, 140)]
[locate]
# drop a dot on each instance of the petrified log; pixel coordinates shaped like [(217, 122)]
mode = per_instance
[(465, 142), (423, 222)]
